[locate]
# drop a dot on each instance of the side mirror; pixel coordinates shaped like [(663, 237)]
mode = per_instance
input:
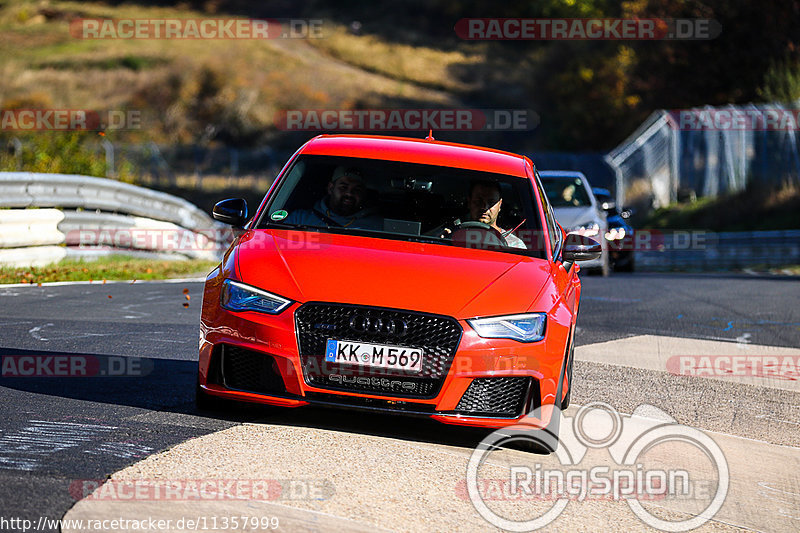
[(580, 248), (232, 211)]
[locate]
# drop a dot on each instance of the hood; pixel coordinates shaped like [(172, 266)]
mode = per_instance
[(571, 217), (448, 280)]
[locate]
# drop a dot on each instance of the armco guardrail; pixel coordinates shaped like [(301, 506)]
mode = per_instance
[(725, 251), (30, 189), (97, 216)]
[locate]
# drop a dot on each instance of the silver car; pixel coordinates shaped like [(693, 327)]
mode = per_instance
[(577, 210)]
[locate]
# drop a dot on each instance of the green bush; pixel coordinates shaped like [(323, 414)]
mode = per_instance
[(58, 153)]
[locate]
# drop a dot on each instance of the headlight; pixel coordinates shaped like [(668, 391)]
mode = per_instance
[(615, 233), (589, 230), (240, 297), (523, 328)]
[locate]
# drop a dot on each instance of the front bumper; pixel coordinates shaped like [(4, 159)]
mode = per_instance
[(487, 383)]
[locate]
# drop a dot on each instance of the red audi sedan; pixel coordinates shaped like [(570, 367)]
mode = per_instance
[(396, 275)]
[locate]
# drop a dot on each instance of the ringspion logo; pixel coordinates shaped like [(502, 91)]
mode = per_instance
[(602, 455)]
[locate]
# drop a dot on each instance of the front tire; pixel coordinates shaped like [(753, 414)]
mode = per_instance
[(541, 441), (545, 441), (570, 362)]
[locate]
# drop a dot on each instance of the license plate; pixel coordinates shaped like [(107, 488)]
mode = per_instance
[(374, 355)]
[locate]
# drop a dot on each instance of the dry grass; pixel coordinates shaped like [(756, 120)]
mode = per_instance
[(89, 89), (416, 64), (44, 66), (759, 207)]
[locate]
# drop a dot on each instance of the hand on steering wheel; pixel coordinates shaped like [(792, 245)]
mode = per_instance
[(472, 233)]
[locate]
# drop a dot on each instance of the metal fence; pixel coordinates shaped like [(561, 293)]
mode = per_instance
[(726, 251), (152, 164), (160, 164), (705, 152)]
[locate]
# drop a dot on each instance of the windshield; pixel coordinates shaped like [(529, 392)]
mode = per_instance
[(407, 201), (565, 192)]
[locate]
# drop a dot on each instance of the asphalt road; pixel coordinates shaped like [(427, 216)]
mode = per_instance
[(58, 432), (759, 310)]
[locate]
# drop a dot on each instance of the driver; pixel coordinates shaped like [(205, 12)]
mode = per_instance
[(568, 195), (343, 206), (484, 203)]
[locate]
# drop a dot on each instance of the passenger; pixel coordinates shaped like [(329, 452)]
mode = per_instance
[(343, 206)]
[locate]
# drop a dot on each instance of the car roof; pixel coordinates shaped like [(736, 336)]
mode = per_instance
[(427, 152), (566, 174)]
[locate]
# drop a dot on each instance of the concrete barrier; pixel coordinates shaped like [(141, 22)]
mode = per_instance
[(90, 230), (30, 227), (32, 256)]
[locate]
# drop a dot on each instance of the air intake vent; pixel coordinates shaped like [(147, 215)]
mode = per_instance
[(495, 397), (250, 371)]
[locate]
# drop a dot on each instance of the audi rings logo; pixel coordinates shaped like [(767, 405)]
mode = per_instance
[(376, 325)]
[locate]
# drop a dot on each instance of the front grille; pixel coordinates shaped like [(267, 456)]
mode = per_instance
[(250, 371), (494, 397), (437, 336)]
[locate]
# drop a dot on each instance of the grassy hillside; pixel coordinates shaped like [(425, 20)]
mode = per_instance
[(589, 94), (755, 209), (200, 90)]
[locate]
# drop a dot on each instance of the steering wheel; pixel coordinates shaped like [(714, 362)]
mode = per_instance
[(474, 234)]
